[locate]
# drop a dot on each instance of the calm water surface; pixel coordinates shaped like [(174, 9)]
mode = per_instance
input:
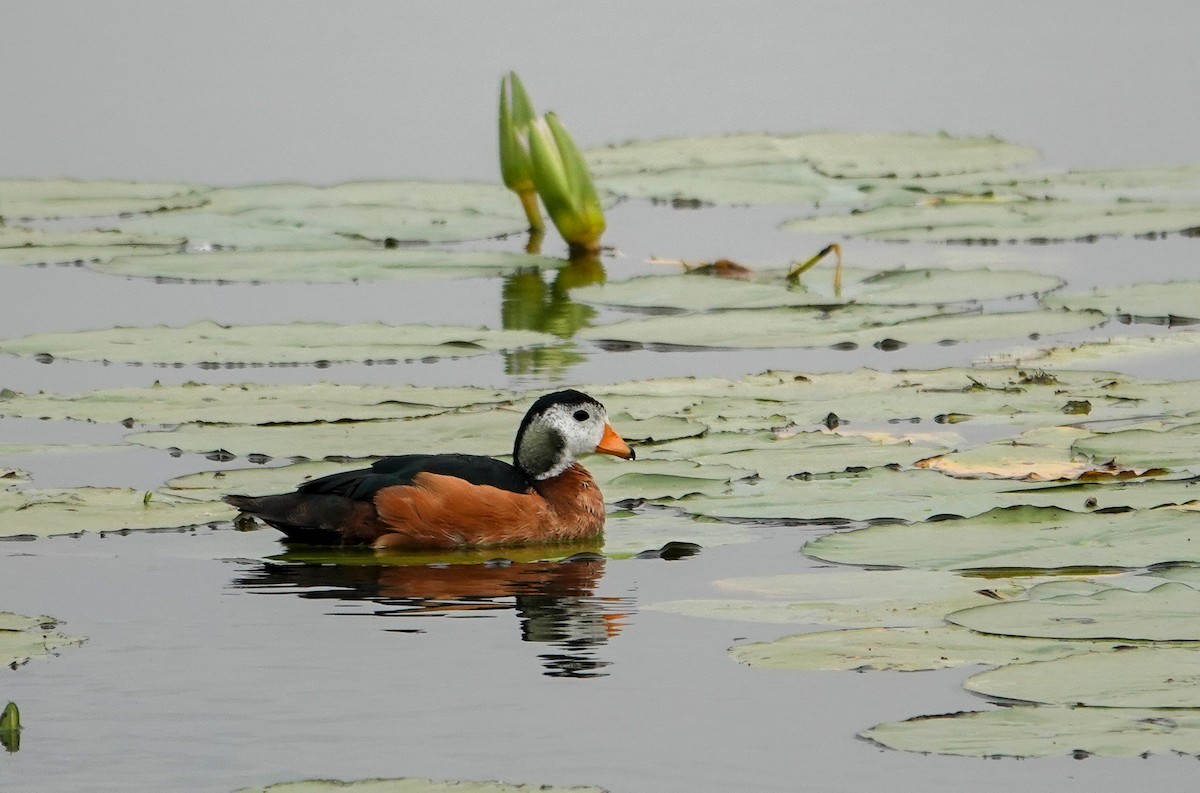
[(210, 667)]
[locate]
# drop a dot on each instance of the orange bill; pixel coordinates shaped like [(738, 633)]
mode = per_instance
[(614, 444)]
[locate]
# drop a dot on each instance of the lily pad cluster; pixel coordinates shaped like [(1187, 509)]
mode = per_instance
[(23, 638), (904, 187), (297, 232)]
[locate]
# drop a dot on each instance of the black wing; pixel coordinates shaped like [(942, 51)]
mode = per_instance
[(363, 483)]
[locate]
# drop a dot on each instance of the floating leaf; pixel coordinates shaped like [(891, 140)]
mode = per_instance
[(44, 513), (1045, 732), (1164, 613), (1005, 221), (904, 649), (22, 638), (1136, 677), (853, 495), (249, 403), (834, 154), (852, 325), (1112, 353), (1174, 448), (1036, 456), (410, 786), (21, 246), (208, 342), (325, 266), (1020, 537), (859, 598), (55, 198), (1176, 299), (865, 287)]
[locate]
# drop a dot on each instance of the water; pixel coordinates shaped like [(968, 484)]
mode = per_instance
[(210, 668)]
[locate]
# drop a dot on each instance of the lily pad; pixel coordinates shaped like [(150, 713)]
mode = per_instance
[(249, 403), (834, 154), (1113, 353), (851, 325), (853, 495), (56, 198), (451, 198), (1176, 299), (384, 223), (1045, 732), (1137, 677), (865, 287), (44, 513), (1038, 455), (1004, 221), (210, 343), (1165, 613), (1177, 448), (904, 650), (206, 231), (325, 266), (22, 638), (408, 785), (858, 598), (21, 246), (1020, 537)]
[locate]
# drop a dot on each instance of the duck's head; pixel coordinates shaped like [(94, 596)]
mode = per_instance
[(561, 427)]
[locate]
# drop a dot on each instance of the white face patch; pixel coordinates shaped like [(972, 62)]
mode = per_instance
[(557, 438)]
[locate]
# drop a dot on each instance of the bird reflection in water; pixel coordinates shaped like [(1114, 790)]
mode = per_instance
[(555, 601)]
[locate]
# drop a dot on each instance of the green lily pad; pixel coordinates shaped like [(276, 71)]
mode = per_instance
[(248, 403), (1164, 613), (834, 154), (385, 223), (450, 198), (805, 453), (325, 266), (1137, 677), (1045, 732), (20, 246), (56, 198), (1176, 299), (1003, 220), (853, 495), (408, 785), (22, 638), (851, 325), (865, 287), (1177, 448), (1113, 353), (858, 598), (1040, 455), (44, 513), (205, 231), (210, 343), (298, 216), (1020, 537), (904, 650)]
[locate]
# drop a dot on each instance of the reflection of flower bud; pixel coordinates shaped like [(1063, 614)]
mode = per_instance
[(10, 727), (564, 184)]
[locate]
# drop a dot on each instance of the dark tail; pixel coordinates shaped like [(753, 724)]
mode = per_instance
[(312, 518)]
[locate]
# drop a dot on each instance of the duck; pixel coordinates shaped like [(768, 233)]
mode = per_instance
[(451, 501)]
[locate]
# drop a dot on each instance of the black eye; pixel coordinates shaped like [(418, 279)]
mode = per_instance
[(582, 415)]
